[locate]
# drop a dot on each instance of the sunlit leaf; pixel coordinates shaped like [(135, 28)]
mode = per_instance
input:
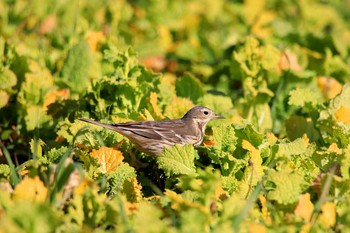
[(328, 215), (31, 189), (288, 187), (108, 158), (330, 87), (178, 160), (305, 207)]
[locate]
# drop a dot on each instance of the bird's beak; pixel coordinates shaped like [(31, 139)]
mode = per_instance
[(216, 116)]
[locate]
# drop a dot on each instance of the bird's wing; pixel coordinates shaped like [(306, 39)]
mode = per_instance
[(170, 131)]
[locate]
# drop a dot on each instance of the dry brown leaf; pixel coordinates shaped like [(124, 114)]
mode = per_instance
[(155, 63), (48, 25), (289, 61)]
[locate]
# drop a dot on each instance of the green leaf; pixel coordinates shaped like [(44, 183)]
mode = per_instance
[(7, 79), (225, 142), (302, 96), (190, 87), (36, 117), (75, 71), (288, 187), (342, 100), (149, 219), (297, 126), (5, 171), (15, 177), (55, 154), (220, 104), (297, 147), (117, 178), (178, 160)]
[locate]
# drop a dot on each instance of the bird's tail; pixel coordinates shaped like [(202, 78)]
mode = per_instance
[(108, 126)]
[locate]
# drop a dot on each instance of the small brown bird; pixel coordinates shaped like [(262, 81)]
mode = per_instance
[(151, 137)]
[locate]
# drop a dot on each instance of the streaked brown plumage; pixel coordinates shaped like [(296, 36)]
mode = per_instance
[(151, 137)]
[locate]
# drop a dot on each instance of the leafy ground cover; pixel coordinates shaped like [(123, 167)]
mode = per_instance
[(279, 72)]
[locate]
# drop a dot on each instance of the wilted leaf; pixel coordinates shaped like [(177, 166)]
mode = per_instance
[(108, 158), (178, 160)]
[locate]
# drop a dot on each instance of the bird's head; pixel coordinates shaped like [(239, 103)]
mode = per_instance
[(201, 115)]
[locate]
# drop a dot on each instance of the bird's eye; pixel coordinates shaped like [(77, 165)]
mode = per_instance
[(206, 112)]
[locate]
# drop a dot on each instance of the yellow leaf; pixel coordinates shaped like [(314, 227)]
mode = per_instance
[(330, 87), (53, 96), (179, 203), (249, 147), (272, 139), (334, 148), (165, 38), (257, 228), (132, 189), (85, 184), (153, 101), (30, 189), (4, 98), (253, 9), (264, 209), (93, 38), (328, 215), (305, 207), (306, 228), (343, 115), (178, 107), (108, 158), (131, 207)]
